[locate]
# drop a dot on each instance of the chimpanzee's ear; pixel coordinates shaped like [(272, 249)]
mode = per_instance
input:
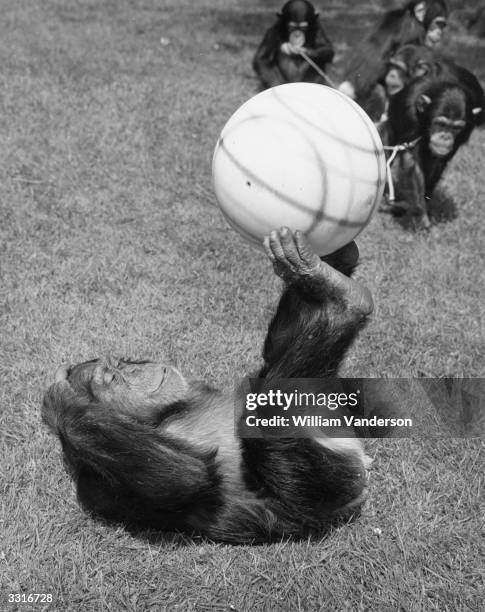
[(419, 10), (316, 14), (279, 14), (422, 103)]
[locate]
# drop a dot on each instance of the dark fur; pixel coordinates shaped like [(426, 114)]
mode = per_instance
[(367, 64), (273, 68), (116, 461), (417, 172), (129, 469), (418, 60)]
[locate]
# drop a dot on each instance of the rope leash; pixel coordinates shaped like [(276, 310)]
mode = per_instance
[(316, 68), (405, 146)]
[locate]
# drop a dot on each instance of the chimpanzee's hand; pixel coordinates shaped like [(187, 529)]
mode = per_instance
[(291, 254), (288, 49), (294, 260)]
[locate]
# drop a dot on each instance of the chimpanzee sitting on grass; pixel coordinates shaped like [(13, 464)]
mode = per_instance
[(148, 448), (278, 58)]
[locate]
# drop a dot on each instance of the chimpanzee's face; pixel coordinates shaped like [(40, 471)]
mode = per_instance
[(297, 18), (297, 33), (446, 116), (443, 134), (395, 80), (434, 33), (125, 382)]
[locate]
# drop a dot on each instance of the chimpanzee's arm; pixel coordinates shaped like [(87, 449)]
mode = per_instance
[(318, 316), (365, 68), (264, 62), (129, 471), (410, 186), (319, 313), (322, 52), (367, 63)]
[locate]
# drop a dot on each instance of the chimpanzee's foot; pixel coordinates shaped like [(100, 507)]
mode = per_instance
[(295, 260)]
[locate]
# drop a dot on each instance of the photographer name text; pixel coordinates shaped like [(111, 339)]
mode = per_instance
[(319, 421)]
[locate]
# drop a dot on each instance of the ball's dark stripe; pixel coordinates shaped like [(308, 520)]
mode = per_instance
[(254, 211), (335, 169), (317, 127), (320, 213), (346, 147), (378, 152), (279, 194), (257, 179), (350, 171)]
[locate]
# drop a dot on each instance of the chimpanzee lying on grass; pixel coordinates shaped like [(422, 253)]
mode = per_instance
[(148, 448)]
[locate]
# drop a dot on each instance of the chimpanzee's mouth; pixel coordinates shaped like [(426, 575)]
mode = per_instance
[(440, 151)]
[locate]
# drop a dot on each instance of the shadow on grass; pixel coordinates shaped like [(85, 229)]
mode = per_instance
[(180, 540), (441, 209)]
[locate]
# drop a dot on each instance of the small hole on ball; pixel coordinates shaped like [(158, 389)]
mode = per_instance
[(248, 183)]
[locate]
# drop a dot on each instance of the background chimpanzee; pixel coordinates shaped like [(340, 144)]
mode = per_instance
[(442, 115), (405, 64), (435, 20), (147, 448), (415, 23), (413, 61), (297, 28)]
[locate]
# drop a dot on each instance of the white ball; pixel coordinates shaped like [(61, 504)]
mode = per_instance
[(299, 155)]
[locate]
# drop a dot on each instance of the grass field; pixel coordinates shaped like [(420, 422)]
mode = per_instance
[(110, 242)]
